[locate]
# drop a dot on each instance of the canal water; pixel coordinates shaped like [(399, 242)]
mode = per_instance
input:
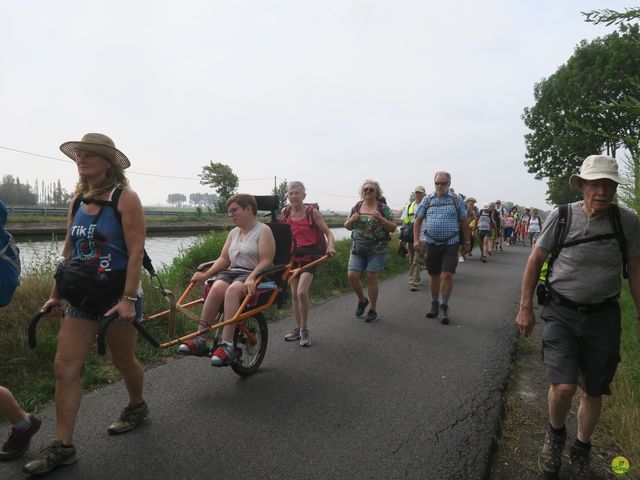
[(161, 248)]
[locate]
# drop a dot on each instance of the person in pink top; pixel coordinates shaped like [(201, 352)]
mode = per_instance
[(308, 229)]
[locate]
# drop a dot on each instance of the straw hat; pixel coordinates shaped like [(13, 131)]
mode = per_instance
[(596, 167), (99, 144)]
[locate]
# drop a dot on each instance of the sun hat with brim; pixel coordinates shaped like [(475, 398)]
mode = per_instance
[(99, 144), (471, 199), (597, 167)]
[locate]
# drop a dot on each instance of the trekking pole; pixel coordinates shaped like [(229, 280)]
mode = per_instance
[(107, 321)]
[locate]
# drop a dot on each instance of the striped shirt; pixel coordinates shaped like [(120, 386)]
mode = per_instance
[(442, 222)]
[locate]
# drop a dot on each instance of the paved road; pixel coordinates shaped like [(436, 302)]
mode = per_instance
[(405, 397)]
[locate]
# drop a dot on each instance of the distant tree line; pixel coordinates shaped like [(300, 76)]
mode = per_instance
[(195, 199), (14, 192)]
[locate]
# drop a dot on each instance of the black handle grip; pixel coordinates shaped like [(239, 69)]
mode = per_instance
[(107, 321), (31, 331)]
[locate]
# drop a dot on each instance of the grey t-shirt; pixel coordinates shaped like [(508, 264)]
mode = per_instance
[(590, 272)]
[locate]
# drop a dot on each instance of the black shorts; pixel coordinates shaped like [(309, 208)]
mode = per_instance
[(581, 348), (442, 258)]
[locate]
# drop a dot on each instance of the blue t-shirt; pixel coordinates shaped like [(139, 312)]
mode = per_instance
[(102, 244)]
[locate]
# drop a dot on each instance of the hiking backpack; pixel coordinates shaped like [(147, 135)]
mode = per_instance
[(320, 240)]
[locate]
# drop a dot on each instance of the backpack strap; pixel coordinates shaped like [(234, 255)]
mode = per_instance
[(113, 203), (560, 235), (616, 224)]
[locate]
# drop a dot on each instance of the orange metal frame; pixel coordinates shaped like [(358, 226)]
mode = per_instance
[(183, 307)]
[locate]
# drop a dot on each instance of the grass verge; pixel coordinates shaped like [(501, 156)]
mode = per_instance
[(29, 373)]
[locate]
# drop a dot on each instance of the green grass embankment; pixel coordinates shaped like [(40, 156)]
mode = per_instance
[(29, 373)]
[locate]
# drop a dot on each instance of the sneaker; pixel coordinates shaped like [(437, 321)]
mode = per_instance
[(579, 458), (129, 418), (372, 316), (18, 442), (460, 259), (224, 355), (444, 314), (550, 458), (292, 335), (433, 313), (55, 455), (198, 347), (305, 338), (361, 306), (484, 259), (413, 287)]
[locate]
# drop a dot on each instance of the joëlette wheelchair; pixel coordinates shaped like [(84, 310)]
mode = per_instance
[(251, 333)]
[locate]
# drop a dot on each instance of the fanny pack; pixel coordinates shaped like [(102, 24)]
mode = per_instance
[(363, 247), (87, 288)]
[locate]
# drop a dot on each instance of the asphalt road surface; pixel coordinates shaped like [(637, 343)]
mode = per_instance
[(405, 397)]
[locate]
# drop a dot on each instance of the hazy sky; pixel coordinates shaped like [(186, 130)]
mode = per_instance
[(325, 92)]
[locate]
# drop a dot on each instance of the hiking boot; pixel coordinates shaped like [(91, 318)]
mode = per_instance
[(579, 458), (305, 338), (372, 316), (129, 418), (550, 458), (433, 313), (55, 455), (361, 306), (18, 442), (444, 314), (198, 347), (224, 355), (293, 335)]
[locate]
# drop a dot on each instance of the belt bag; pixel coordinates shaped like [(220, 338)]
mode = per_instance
[(88, 289), (363, 247)]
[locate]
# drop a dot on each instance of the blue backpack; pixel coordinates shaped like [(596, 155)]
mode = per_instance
[(9, 262)]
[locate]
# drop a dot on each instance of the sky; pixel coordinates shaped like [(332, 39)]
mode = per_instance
[(329, 93)]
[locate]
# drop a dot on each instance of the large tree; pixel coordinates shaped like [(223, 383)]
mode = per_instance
[(176, 198), (221, 178), (280, 191), (573, 115), (13, 192)]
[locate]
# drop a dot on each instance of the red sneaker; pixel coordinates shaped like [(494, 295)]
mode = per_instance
[(18, 442)]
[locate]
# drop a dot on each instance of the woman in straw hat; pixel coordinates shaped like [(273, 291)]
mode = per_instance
[(96, 236)]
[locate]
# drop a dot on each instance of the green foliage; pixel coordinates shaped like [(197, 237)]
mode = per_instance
[(559, 192), (176, 198), (12, 192), (221, 178), (281, 192), (612, 17), (568, 121)]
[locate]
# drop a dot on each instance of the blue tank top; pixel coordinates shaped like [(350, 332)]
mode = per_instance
[(102, 243)]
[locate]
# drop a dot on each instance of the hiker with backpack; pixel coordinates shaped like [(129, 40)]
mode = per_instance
[(589, 244), (23, 425), (447, 228), (309, 230), (101, 261), (416, 258), (370, 223)]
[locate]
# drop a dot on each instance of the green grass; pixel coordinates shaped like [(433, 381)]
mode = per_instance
[(29, 373), (621, 415)]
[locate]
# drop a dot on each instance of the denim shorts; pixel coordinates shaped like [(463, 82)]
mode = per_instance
[(363, 263), (77, 313)]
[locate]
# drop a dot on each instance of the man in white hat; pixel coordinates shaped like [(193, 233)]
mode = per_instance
[(581, 336)]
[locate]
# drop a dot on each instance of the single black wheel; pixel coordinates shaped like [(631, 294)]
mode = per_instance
[(251, 354)]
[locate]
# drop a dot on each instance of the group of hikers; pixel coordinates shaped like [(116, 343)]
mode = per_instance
[(105, 244)]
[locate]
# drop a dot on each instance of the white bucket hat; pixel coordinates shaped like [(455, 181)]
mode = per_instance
[(596, 167)]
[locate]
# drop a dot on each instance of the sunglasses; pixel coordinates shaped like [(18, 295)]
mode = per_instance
[(441, 183), (368, 189)]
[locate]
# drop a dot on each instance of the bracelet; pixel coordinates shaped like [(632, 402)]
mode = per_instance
[(131, 299)]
